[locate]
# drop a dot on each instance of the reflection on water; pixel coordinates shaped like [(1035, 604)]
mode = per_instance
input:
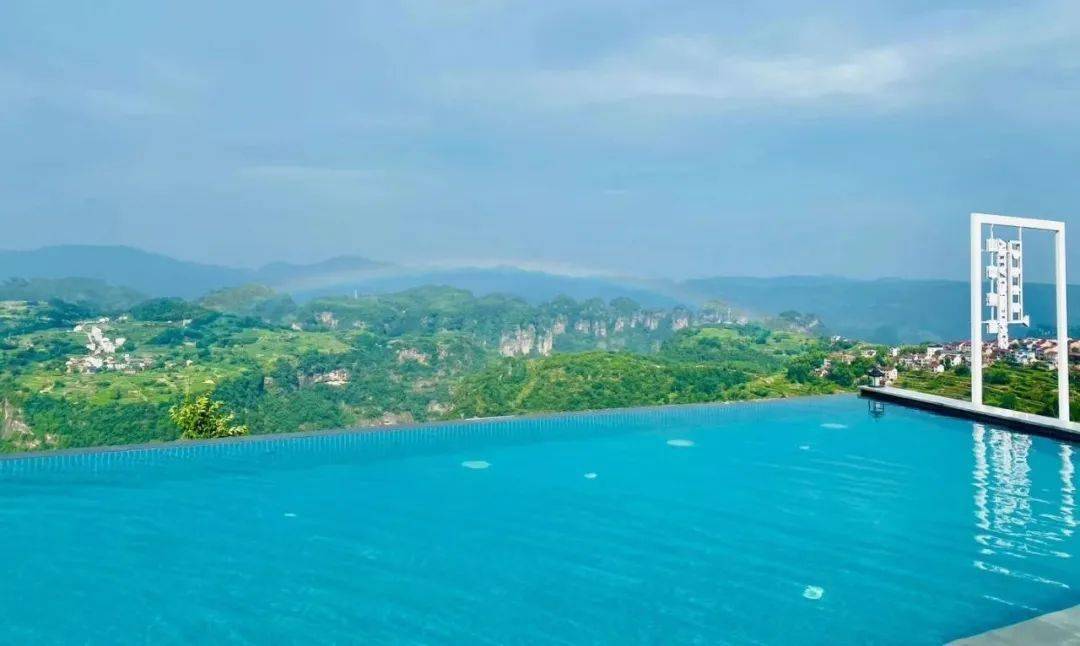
[(876, 409), (1068, 504), (980, 478), (1013, 522)]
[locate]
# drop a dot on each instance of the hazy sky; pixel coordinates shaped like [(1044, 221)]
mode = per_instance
[(667, 138)]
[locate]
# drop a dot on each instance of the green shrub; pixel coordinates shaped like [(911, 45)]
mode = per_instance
[(202, 418)]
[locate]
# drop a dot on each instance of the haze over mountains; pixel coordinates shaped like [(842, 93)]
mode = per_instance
[(159, 275), (884, 310)]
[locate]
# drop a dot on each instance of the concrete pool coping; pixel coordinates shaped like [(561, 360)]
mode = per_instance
[(1061, 627), (1026, 422)]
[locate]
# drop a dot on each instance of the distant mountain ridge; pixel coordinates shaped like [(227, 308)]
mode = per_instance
[(278, 273), (76, 291), (884, 310), (888, 310), (150, 273), (160, 275), (533, 286)]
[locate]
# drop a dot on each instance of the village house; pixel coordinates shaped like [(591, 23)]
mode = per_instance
[(1024, 357)]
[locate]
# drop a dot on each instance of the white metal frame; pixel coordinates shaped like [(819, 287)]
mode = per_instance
[(1058, 229)]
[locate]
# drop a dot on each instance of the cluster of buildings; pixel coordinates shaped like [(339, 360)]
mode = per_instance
[(934, 358), (103, 353), (1029, 351), (1044, 352), (1032, 351)]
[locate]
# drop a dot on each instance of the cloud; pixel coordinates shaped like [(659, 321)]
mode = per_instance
[(152, 87), (697, 68), (798, 69)]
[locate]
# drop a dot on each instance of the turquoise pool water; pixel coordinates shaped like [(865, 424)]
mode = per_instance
[(800, 521)]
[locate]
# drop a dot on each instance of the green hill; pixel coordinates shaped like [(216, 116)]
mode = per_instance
[(701, 365), (149, 273), (423, 354), (87, 292)]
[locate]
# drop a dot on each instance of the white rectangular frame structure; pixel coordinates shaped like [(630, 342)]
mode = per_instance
[(1058, 229)]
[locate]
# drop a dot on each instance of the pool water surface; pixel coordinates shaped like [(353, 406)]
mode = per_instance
[(819, 520)]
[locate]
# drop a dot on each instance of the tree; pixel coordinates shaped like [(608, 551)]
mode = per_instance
[(202, 418), (800, 371), (842, 375), (166, 309)]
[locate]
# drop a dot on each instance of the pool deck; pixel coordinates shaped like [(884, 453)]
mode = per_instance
[(1027, 422), (1062, 627)]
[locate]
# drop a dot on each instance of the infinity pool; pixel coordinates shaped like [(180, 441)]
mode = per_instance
[(803, 521)]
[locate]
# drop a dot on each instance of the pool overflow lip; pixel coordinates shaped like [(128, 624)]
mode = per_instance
[(410, 426), (1025, 422), (1034, 424)]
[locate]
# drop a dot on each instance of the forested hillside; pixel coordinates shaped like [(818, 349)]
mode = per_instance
[(700, 365), (107, 372)]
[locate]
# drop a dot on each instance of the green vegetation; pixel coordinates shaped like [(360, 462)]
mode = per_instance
[(255, 301), (166, 309), (77, 291), (246, 358), (699, 365), (423, 354), (1023, 388), (201, 418)]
